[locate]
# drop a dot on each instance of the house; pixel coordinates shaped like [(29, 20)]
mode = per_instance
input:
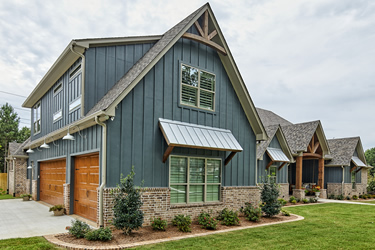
[(173, 106)]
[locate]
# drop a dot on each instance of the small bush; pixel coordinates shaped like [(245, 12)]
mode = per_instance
[(292, 198), (56, 208), (25, 195), (2, 192), (298, 199), (331, 196), (339, 197), (102, 234), (364, 197), (294, 202), (360, 196), (355, 197), (269, 194), (79, 229), (348, 198), (182, 222), (207, 221), (282, 202), (285, 212), (228, 217), (158, 224), (313, 200), (305, 201), (251, 213)]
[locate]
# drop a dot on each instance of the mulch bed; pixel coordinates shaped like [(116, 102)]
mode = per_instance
[(147, 234)]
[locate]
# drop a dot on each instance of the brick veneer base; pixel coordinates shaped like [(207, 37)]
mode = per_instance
[(34, 188), (284, 191), (66, 187), (299, 193), (346, 189), (156, 203), (17, 177)]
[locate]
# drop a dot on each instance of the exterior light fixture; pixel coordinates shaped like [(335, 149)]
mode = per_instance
[(71, 137), (29, 167), (44, 145), (30, 151)]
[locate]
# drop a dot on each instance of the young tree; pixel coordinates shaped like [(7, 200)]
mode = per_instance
[(269, 196), (127, 205), (9, 122), (370, 158)]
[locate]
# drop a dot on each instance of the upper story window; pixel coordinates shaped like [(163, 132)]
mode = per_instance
[(197, 88), (57, 102), (75, 71), (57, 89), (37, 118), (194, 179)]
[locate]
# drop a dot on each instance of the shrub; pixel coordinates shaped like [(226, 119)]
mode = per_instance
[(339, 197), (294, 202), (228, 217), (127, 205), (269, 194), (364, 197), (251, 213), (182, 222), (56, 208), (331, 196), (305, 201), (159, 224), (371, 186), (292, 198), (285, 212), (25, 195), (298, 199), (79, 229), (102, 234), (2, 192), (313, 200), (355, 197), (348, 197), (282, 202), (207, 221), (360, 196)]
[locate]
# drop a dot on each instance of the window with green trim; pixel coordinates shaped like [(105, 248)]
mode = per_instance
[(272, 174), (194, 179), (353, 179), (197, 88)]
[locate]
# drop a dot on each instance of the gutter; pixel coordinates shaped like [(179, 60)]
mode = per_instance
[(83, 77), (104, 168)]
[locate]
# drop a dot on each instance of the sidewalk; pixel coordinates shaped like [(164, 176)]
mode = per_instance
[(345, 202)]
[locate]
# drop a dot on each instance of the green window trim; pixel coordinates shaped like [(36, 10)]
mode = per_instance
[(272, 172), (197, 88), (353, 176), (194, 179)]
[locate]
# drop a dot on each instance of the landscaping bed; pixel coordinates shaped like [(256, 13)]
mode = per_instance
[(148, 234)]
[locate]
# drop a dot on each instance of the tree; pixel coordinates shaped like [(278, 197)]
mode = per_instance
[(370, 158), (9, 122), (269, 195), (23, 134)]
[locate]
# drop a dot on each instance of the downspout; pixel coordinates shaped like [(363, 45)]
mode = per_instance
[(7, 163), (83, 78), (104, 169), (256, 172), (343, 178), (14, 178)]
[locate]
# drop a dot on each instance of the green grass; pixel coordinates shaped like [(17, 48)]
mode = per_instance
[(326, 226), (26, 243), (7, 196)]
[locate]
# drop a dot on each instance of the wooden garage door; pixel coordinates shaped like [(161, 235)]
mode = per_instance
[(86, 181), (52, 179)]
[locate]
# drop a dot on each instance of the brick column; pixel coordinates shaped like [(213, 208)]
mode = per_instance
[(299, 172), (321, 173)]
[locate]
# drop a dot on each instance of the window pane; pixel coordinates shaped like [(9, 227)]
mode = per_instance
[(189, 75), (207, 81), (189, 95), (57, 115), (272, 171), (75, 104), (178, 170), (213, 193), (213, 171), (196, 193), (178, 194), (196, 170), (206, 100)]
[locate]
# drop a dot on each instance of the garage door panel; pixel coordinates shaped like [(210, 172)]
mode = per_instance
[(52, 179)]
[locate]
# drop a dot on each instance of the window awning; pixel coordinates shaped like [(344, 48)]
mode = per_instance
[(358, 162), (277, 154), (182, 134)]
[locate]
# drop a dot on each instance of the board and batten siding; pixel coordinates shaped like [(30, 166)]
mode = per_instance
[(105, 66), (50, 103), (281, 175), (134, 137)]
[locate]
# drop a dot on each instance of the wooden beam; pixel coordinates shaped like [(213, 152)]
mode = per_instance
[(227, 160), (269, 165), (352, 169), (205, 24), (205, 41), (321, 173), (197, 25), (309, 149), (317, 144), (312, 140), (312, 155), (282, 166), (299, 161), (167, 152), (358, 170), (212, 35)]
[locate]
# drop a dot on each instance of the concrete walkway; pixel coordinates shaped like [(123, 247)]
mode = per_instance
[(345, 202), (29, 218)]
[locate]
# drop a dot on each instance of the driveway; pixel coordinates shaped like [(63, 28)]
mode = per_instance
[(29, 218)]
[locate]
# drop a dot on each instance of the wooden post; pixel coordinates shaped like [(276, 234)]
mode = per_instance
[(321, 173), (299, 161), (167, 153)]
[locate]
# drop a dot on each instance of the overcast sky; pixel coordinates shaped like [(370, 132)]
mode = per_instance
[(304, 60)]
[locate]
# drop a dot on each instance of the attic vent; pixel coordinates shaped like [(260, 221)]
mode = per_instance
[(57, 89), (75, 71)]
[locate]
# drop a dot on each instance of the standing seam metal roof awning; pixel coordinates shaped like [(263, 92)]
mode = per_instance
[(182, 134), (358, 162), (277, 154)]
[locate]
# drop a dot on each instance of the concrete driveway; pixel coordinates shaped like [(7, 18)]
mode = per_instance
[(29, 218)]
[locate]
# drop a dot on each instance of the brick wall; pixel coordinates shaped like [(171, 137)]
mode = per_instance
[(66, 187), (156, 203), (284, 191), (34, 189), (18, 183), (346, 189)]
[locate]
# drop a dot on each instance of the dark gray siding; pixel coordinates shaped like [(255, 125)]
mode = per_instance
[(134, 138), (333, 175), (105, 66), (50, 103)]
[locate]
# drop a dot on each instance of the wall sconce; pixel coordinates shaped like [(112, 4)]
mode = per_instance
[(30, 151), (44, 145), (70, 137)]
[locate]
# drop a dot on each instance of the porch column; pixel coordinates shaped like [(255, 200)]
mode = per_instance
[(321, 173), (299, 172)]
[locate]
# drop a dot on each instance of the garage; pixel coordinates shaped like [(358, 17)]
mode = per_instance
[(52, 179), (86, 181)]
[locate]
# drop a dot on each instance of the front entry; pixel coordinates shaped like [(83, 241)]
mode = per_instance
[(86, 181), (52, 179)]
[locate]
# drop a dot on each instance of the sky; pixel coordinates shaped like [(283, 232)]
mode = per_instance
[(304, 60)]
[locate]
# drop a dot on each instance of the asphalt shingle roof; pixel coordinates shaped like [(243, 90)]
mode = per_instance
[(17, 148), (269, 118), (299, 135), (262, 146), (342, 150)]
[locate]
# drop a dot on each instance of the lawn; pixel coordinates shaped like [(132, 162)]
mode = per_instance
[(326, 226), (26, 243), (7, 196)]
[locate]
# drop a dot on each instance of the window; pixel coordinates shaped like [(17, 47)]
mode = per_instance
[(353, 179), (37, 118), (194, 179), (197, 88), (272, 174), (75, 71), (57, 89), (57, 116), (75, 104)]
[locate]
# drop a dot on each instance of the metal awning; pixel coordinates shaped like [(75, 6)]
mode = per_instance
[(358, 162), (277, 154), (182, 134)]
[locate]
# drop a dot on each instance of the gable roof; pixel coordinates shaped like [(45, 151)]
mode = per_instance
[(13, 146), (270, 118), (16, 149), (342, 150)]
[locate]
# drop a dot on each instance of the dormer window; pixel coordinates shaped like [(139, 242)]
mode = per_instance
[(197, 88), (37, 118)]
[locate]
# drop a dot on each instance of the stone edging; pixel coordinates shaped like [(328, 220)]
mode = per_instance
[(54, 240)]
